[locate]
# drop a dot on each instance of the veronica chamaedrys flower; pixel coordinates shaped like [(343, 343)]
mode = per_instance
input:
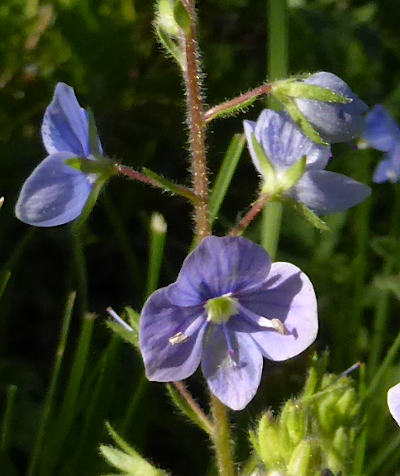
[(284, 144), (393, 401), (56, 193), (229, 308), (335, 122), (382, 133)]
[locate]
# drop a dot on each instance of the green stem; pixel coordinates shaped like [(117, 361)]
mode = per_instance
[(277, 61), (158, 230), (221, 438), (271, 227), (48, 404), (255, 209)]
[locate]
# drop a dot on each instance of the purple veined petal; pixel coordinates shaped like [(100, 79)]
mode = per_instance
[(218, 266), (381, 132), (384, 170), (160, 322), (393, 401), (65, 126), (284, 143), (289, 296), (328, 192), (335, 122), (54, 193), (235, 380)]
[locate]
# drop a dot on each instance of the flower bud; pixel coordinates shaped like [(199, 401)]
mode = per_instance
[(294, 419), (269, 442), (335, 122), (305, 459)]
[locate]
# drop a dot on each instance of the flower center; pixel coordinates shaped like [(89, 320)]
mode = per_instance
[(220, 309)]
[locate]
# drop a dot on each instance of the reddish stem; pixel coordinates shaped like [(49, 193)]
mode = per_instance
[(242, 99), (255, 209)]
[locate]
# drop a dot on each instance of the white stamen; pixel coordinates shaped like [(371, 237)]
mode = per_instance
[(275, 324), (179, 338), (117, 318)]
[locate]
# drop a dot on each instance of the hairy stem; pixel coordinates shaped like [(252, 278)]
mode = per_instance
[(197, 127), (237, 102), (197, 133)]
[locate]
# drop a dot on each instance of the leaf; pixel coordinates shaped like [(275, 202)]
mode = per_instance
[(182, 17), (185, 408), (308, 214), (171, 47), (169, 186), (388, 283)]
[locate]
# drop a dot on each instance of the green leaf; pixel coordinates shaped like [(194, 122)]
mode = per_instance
[(166, 19), (126, 459), (186, 409), (131, 337), (182, 17), (293, 175), (225, 174), (308, 214), (299, 118), (133, 318), (298, 89), (169, 186), (170, 46)]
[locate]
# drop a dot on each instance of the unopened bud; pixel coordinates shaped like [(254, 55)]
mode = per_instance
[(305, 459)]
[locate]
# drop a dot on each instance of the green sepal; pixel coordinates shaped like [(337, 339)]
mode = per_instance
[(93, 136), (299, 118), (292, 175), (302, 90), (131, 337), (166, 18), (133, 318), (265, 164), (126, 459), (182, 17), (305, 459), (170, 46), (308, 214), (185, 408), (103, 168), (269, 442), (169, 186), (89, 205)]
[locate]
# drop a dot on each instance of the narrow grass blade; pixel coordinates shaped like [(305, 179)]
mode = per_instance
[(225, 174), (48, 404), (157, 231), (389, 449), (7, 420)]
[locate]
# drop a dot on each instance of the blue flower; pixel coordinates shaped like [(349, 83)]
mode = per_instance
[(383, 134), (335, 122), (229, 308), (56, 193), (393, 401), (284, 144)]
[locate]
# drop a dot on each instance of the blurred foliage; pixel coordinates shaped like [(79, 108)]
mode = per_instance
[(106, 50)]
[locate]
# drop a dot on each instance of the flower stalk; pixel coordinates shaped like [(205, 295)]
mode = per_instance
[(255, 209), (197, 136)]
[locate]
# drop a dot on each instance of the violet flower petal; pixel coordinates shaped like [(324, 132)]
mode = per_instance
[(393, 401), (334, 121), (54, 193), (219, 266), (234, 380), (328, 192), (381, 131), (289, 296), (160, 321), (65, 124), (283, 142)]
